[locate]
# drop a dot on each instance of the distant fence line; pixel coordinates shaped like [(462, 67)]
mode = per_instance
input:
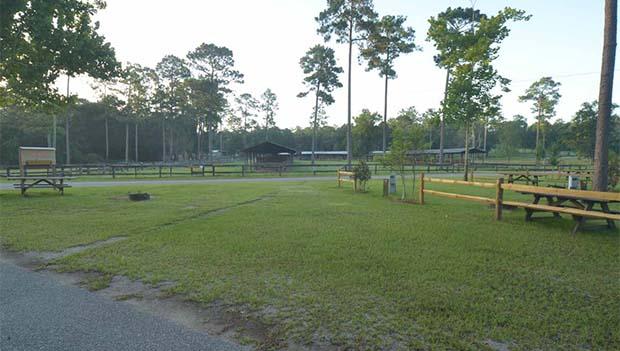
[(226, 169)]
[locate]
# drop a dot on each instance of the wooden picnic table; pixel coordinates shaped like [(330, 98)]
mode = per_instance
[(40, 182), (572, 202), (534, 177)]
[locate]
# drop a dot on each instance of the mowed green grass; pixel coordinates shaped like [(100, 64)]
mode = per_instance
[(320, 264)]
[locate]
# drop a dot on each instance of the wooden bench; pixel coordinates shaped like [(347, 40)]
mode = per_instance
[(346, 176), (581, 202)]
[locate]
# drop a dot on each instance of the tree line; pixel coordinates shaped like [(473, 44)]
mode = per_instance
[(190, 101)]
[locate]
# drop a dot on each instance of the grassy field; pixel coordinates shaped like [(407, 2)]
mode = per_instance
[(322, 265)]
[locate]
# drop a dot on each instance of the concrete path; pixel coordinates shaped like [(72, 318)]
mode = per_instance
[(38, 313)]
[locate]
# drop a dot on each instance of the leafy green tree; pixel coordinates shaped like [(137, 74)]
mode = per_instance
[(349, 21), (321, 70), (366, 132), (600, 181), (583, 130), (447, 31), (204, 98), (511, 135), (471, 94), (269, 106), (171, 71), (544, 95), (216, 64), (387, 39), (42, 40)]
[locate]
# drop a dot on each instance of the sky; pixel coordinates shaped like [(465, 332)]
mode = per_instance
[(563, 40)]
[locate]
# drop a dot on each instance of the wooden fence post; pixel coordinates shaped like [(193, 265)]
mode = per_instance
[(113, 172), (499, 199), (243, 170), (338, 174), (213, 170), (159, 171), (422, 188)]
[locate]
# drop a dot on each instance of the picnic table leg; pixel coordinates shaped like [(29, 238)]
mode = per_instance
[(581, 220), (529, 212), (550, 202), (610, 223)]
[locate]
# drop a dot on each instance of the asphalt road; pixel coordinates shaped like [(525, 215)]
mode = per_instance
[(89, 184), (38, 313)]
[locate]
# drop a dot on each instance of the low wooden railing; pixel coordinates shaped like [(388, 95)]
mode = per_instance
[(346, 176)]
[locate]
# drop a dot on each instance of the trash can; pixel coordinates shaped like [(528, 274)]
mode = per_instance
[(392, 184), (573, 182)]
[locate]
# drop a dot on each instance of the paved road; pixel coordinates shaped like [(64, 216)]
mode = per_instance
[(38, 313), (88, 184)]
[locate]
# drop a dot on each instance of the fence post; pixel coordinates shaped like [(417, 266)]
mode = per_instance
[(159, 171), (422, 188), (113, 172), (386, 187), (171, 171), (213, 170), (499, 198), (243, 170), (338, 174)]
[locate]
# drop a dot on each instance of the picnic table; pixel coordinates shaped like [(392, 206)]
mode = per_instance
[(534, 177), (578, 203), (519, 176), (40, 182)]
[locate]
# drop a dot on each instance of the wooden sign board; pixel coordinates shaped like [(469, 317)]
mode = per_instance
[(36, 157)]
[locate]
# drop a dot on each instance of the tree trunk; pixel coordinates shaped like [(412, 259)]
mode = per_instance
[(538, 125), (198, 143), (126, 142), (349, 137), (385, 102), (466, 160), (171, 143), (67, 128), (314, 125), (221, 142), (402, 177), (601, 149), (442, 123), (107, 141), (136, 142), (210, 136), (54, 127), (163, 140)]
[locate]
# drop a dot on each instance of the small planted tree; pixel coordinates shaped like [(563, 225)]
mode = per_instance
[(407, 135), (362, 175)]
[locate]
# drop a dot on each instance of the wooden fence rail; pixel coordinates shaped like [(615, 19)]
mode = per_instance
[(581, 202)]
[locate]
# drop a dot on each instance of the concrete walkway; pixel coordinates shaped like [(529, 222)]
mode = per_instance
[(39, 313)]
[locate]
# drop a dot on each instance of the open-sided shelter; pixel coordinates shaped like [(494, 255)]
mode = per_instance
[(268, 154)]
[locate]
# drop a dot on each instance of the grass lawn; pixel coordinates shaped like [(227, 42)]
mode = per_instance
[(322, 265)]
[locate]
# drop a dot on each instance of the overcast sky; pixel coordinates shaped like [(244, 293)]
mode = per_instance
[(563, 40)]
